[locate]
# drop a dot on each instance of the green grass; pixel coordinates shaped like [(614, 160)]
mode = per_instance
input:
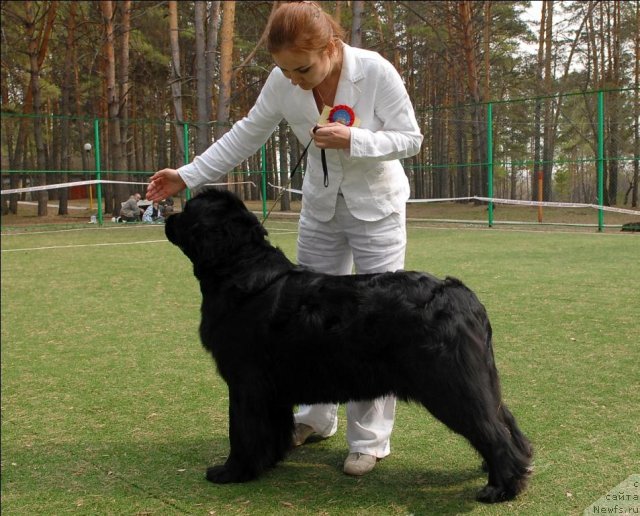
[(111, 406)]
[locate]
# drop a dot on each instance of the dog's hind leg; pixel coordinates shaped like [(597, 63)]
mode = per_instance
[(464, 393), (515, 467), (508, 460), (505, 458), (259, 436)]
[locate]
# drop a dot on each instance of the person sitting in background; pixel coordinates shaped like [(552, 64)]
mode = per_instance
[(130, 211), (153, 214), (167, 207)]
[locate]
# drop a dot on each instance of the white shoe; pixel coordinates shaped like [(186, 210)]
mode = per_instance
[(301, 433), (358, 464)]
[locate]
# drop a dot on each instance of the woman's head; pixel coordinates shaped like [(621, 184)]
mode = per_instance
[(302, 26), (303, 41)]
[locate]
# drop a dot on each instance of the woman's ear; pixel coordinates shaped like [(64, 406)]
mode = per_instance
[(331, 48)]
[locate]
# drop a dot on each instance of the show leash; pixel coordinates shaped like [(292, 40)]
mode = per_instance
[(293, 173), (340, 113)]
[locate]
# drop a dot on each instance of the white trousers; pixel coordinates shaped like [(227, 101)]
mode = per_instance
[(334, 247)]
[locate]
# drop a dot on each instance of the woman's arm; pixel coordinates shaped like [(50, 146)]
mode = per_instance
[(400, 135), (244, 139)]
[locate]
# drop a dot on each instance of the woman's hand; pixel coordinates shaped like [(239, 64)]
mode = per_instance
[(333, 135), (164, 183)]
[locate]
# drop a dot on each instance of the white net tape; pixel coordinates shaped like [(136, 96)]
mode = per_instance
[(506, 201), (292, 190), (98, 181)]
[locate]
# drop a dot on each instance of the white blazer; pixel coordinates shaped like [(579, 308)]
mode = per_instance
[(369, 175)]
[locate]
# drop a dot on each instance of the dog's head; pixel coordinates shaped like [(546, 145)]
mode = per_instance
[(215, 229)]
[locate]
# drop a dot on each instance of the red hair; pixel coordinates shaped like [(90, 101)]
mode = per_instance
[(302, 26)]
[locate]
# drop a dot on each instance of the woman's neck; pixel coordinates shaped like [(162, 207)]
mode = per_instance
[(325, 92)]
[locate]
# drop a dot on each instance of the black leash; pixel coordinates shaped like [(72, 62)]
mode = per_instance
[(295, 169), (323, 156), (325, 172)]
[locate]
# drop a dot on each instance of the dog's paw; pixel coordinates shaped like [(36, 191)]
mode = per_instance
[(223, 474), (220, 475), (493, 494)]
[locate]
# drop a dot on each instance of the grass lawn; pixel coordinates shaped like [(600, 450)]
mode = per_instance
[(111, 406)]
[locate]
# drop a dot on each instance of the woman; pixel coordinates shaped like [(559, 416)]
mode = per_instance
[(354, 106)]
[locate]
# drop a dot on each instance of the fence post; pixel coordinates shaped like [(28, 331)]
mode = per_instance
[(96, 141), (490, 161), (600, 160), (263, 181)]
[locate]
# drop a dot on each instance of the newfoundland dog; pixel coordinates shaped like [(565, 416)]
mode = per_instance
[(282, 335)]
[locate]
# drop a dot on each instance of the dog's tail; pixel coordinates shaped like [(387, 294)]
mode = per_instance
[(517, 467), (491, 361), (518, 438), (505, 415)]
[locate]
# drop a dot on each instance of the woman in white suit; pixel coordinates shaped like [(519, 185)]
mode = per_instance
[(353, 104)]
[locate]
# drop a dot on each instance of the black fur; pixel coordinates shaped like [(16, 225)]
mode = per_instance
[(282, 335)]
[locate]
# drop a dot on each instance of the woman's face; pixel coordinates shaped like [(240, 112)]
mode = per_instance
[(306, 69)]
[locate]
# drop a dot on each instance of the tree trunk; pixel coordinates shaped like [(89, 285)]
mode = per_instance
[(636, 113), (202, 121), (123, 79), (567, 68), (176, 77), (614, 103), (65, 107), (547, 148), (8, 141), (486, 37), (37, 50), (393, 35), (356, 23), (294, 155), (537, 116), (603, 85), (34, 70), (285, 198), (226, 67), (212, 45), (479, 178), (113, 103)]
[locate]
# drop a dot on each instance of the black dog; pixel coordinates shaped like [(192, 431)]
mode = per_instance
[(282, 335)]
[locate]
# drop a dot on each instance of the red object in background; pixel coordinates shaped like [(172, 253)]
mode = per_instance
[(81, 192)]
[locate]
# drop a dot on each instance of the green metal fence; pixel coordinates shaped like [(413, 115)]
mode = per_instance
[(503, 128)]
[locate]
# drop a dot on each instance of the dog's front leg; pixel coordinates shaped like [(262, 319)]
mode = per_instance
[(259, 436)]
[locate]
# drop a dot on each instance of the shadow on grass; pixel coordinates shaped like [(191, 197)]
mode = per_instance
[(310, 480), (132, 476)]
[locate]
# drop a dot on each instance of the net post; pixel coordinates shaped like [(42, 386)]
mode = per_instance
[(96, 142), (600, 160), (490, 161)]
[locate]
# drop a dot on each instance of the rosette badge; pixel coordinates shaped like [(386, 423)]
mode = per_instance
[(342, 114)]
